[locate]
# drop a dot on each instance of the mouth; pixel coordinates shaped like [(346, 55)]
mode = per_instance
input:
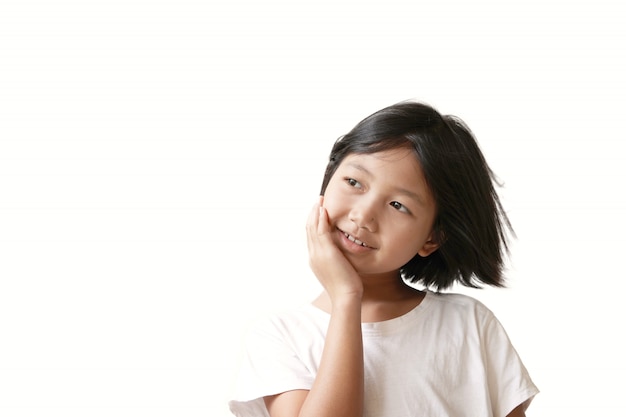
[(355, 240)]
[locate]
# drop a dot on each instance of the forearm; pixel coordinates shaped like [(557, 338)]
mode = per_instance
[(338, 387)]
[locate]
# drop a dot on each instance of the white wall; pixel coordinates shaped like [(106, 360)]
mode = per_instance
[(158, 161)]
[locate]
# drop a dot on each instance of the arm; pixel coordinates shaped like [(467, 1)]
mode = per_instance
[(338, 387), (520, 410)]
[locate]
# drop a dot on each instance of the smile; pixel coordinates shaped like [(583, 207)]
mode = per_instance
[(355, 240)]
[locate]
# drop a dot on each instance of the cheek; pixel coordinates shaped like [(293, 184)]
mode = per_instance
[(409, 240), (332, 201), (331, 209)]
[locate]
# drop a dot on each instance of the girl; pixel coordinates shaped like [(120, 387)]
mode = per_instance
[(407, 197)]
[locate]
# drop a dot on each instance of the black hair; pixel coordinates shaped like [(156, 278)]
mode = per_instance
[(470, 225)]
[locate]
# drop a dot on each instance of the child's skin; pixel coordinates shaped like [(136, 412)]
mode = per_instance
[(382, 201)]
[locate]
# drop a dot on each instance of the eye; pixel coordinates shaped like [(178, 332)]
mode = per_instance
[(399, 206), (353, 183)]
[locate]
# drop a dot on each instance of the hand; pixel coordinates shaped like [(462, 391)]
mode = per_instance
[(330, 266)]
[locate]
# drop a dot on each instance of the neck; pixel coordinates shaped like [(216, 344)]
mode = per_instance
[(384, 288), (385, 296)]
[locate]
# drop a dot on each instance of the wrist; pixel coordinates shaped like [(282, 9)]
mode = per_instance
[(347, 300)]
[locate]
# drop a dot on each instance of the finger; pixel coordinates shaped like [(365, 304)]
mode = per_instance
[(312, 228), (313, 218), (323, 225)]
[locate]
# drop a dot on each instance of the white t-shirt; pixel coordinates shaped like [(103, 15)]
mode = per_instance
[(449, 356)]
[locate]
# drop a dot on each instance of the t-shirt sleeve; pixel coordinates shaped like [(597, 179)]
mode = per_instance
[(269, 366), (508, 380)]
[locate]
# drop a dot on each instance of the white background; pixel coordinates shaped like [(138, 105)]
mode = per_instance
[(158, 160)]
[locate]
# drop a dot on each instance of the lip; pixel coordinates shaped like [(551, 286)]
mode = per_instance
[(352, 243)]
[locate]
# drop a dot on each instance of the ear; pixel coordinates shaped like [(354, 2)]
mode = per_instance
[(429, 247)]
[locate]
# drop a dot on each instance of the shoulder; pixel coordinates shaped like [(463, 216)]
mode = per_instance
[(460, 302), (288, 323), (461, 308), (288, 342)]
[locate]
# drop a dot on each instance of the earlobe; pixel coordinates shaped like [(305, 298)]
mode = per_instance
[(433, 242), (429, 247)]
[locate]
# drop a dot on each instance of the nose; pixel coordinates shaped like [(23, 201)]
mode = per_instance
[(363, 215)]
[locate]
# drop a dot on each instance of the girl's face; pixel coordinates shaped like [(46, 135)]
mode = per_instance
[(381, 210)]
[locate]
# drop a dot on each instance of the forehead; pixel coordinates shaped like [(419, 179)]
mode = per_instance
[(401, 161)]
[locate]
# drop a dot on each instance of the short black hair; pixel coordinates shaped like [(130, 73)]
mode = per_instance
[(471, 226)]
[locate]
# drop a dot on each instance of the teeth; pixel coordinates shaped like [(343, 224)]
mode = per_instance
[(352, 239)]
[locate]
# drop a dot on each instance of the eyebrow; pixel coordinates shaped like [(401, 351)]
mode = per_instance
[(397, 189)]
